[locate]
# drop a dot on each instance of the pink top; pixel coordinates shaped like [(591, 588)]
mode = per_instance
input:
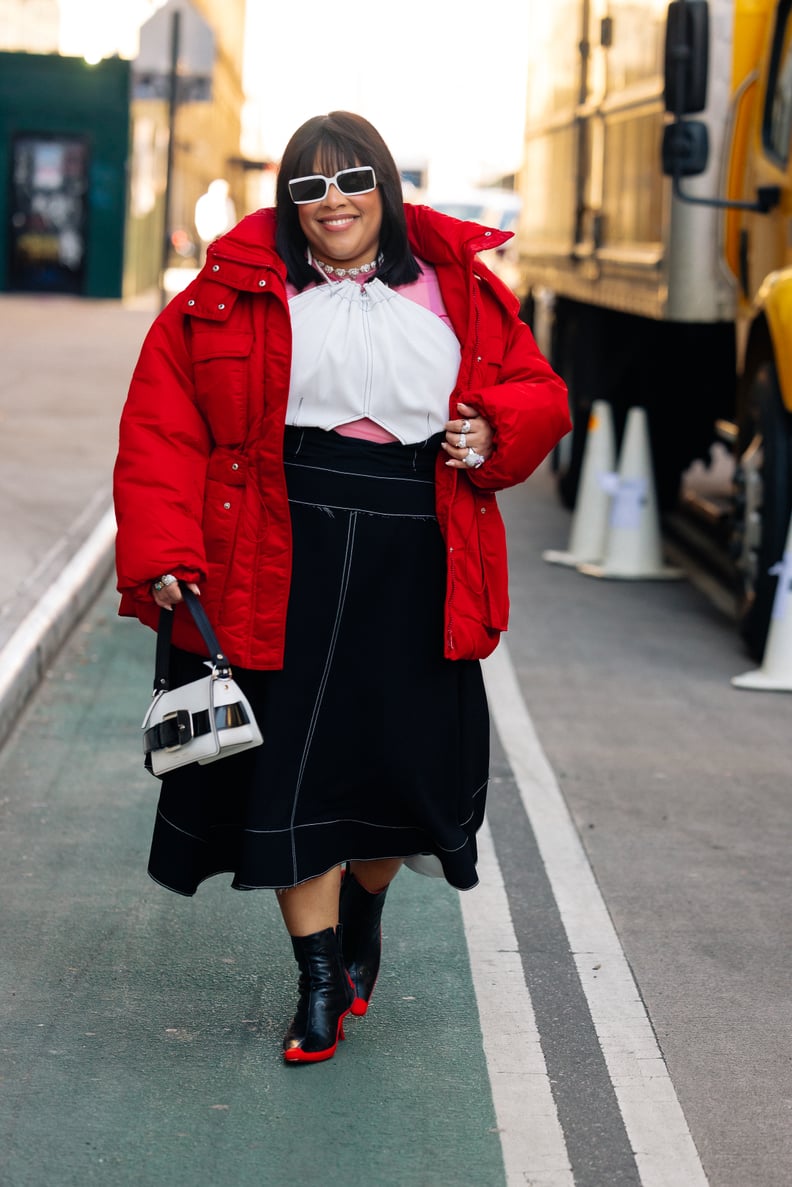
[(424, 291)]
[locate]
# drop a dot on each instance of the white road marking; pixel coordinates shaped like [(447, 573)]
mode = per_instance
[(656, 1127), (532, 1141)]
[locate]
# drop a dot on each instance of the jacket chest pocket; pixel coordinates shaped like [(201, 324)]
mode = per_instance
[(221, 364)]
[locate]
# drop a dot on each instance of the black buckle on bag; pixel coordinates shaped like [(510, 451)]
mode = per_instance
[(178, 728), (175, 730), (180, 723)]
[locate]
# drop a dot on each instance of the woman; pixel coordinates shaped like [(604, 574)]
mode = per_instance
[(312, 440)]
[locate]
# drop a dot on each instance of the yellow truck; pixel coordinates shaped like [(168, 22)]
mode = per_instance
[(655, 253)]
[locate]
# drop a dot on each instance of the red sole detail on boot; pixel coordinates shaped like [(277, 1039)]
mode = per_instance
[(297, 1055), (361, 1004)]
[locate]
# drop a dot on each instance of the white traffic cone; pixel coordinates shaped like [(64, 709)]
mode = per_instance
[(775, 673), (633, 549), (590, 517)]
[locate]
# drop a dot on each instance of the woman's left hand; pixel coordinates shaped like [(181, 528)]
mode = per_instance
[(468, 437)]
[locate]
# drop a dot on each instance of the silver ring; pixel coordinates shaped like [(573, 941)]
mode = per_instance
[(473, 459), (462, 441), (465, 426), (166, 579)]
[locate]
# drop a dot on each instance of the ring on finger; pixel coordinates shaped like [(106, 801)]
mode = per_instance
[(465, 426), (164, 581), (462, 441), (473, 459)]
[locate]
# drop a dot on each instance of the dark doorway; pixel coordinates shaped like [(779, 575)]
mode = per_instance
[(49, 187)]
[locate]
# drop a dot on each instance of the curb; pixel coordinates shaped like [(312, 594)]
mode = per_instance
[(30, 650)]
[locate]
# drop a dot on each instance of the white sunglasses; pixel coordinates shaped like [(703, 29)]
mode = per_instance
[(360, 180)]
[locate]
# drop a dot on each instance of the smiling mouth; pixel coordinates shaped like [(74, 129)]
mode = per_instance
[(338, 222)]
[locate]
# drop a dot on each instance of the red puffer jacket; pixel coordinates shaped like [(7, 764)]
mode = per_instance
[(199, 483)]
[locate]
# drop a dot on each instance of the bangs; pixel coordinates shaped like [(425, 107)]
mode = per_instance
[(331, 154)]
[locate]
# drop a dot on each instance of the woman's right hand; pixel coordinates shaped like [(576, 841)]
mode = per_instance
[(170, 595)]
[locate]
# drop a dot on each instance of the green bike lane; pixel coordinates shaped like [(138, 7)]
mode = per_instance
[(141, 1031)]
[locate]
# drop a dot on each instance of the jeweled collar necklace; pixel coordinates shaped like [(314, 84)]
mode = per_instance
[(343, 273)]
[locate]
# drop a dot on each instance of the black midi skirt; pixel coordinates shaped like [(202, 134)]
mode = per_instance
[(374, 746)]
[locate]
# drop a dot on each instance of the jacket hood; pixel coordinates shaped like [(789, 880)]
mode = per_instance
[(440, 238), (435, 237), (251, 241)]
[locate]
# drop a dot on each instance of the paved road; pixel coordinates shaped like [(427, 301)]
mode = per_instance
[(610, 1006)]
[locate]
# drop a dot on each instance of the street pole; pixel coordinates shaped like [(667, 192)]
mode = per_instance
[(172, 105)]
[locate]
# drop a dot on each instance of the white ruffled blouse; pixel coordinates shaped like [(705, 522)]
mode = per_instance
[(364, 351)]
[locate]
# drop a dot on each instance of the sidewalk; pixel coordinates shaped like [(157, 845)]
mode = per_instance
[(67, 365)]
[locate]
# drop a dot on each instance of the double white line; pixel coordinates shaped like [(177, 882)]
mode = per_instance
[(532, 1139)]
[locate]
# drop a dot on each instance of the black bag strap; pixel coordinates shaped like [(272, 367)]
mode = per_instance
[(165, 630)]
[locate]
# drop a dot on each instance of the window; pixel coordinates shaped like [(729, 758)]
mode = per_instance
[(777, 126)]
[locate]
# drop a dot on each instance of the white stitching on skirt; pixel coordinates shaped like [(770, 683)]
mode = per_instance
[(178, 829), (361, 474), (359, 510), (323, 682)]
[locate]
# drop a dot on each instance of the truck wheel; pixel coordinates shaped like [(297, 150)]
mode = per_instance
[(763, 481)]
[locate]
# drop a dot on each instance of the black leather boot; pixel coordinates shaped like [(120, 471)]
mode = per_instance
[(325, 998), (361, 916)]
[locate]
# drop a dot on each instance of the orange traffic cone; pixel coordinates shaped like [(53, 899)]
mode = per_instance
[(590, 517)]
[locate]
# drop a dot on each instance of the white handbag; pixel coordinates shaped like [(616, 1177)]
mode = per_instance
[(203, 721)]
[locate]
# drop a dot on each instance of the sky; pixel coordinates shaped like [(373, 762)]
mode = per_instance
[(444, 84), (98, 28)]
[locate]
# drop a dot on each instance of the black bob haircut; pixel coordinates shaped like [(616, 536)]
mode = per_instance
[(327, 143)]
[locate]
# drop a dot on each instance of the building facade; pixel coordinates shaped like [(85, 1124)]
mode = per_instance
[(101, 166)]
